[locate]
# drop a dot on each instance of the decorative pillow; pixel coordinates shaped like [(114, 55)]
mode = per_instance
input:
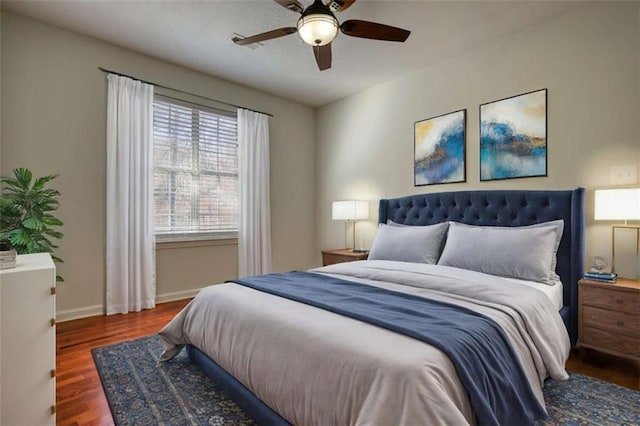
[(525, 252), (417, 244)]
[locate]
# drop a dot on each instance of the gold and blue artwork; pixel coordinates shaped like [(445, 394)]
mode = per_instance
[(513, 137), (439, 149)]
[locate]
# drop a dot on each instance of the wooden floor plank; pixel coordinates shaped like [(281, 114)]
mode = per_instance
[(80, 398)]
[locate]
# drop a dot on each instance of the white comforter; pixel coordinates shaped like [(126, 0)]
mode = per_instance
[(318, 368)]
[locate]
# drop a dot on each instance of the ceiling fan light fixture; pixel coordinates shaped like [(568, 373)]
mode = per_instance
[(318, 29)]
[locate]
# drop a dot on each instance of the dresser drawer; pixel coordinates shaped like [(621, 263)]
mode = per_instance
[(618, 322), (610, 298), (610, 342)]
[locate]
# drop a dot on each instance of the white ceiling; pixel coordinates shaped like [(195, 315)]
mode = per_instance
[(197, 34)]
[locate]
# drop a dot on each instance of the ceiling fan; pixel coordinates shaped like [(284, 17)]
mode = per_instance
[(318, 26)]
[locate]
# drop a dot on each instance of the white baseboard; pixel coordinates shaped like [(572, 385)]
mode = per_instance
[(71, 314), (92, 311), (177, 295)]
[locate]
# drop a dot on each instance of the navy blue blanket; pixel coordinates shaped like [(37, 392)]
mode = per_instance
[(487, 365)]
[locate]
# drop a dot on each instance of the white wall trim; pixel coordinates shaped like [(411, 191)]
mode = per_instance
[(71, 314), (98, 310), (177, 295)]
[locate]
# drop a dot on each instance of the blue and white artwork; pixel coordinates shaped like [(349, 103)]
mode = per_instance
[(439, 149), (513, 137)]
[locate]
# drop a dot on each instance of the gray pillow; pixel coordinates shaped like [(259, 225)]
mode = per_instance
[(417, 244), (558, 226), (392, 223), (525, 252)]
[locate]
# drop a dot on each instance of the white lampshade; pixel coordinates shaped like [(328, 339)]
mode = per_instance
[(350, 210), (318, 29), (617, 204)]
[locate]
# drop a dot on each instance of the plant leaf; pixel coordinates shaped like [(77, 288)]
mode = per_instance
[(51, 221), (33, 223), (41, 181)]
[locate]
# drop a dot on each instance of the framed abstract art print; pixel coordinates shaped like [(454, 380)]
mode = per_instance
[(439, 149), (513, 137)]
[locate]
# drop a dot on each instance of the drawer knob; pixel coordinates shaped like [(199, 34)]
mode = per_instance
[(620, 323), (619, 301)]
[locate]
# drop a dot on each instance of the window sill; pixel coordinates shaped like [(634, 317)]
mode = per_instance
[(167, 245)]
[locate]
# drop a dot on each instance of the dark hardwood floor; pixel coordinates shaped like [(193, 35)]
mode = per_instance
[(81, 401), (606, 367)]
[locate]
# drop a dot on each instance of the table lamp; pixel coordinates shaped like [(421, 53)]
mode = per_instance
[(350, 211), (618, 204)]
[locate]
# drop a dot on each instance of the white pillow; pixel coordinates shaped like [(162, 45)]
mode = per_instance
[(524, 252), (417, 244)]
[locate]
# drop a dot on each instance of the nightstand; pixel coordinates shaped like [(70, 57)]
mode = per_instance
[(609, 317), (329, 257)]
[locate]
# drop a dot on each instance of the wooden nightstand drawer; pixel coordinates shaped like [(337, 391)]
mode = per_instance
[(618, 322), (610, 298), (330, 257), (336, 258), (610, 342)]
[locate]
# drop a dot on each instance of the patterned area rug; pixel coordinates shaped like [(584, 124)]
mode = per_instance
[(142, 392)]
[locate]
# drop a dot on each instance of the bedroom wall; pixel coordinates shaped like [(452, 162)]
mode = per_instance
[(588, 59), (54, 116)]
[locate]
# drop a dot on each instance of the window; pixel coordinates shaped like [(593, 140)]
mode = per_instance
[(195, 171)]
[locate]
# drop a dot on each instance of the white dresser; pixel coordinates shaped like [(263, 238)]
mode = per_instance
[(28, 342)]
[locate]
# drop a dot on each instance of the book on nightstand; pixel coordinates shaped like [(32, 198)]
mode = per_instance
[(602, 277)]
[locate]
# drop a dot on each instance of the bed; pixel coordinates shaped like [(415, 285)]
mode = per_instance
[(285, 362)]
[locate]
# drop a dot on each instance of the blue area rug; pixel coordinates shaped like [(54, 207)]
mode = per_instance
[(142, 392)]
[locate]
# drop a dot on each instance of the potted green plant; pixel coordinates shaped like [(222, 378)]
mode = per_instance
[(27, 224)]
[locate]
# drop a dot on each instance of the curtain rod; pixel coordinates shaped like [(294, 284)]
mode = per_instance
[(181, 91)]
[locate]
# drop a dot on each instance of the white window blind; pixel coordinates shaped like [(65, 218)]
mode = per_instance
[(195, 171)]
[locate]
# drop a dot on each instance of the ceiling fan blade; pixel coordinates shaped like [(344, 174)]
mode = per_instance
[(280, 32), (365, 29), (292, 5), (340, 5), (323, 56)]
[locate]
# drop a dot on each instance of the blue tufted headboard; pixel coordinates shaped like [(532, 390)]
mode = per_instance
[(507, 208)]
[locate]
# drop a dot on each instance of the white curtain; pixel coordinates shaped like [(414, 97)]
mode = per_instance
[(254, 228), (131, 282)]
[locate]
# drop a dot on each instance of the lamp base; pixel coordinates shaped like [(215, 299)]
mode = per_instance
[(613, 245)]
